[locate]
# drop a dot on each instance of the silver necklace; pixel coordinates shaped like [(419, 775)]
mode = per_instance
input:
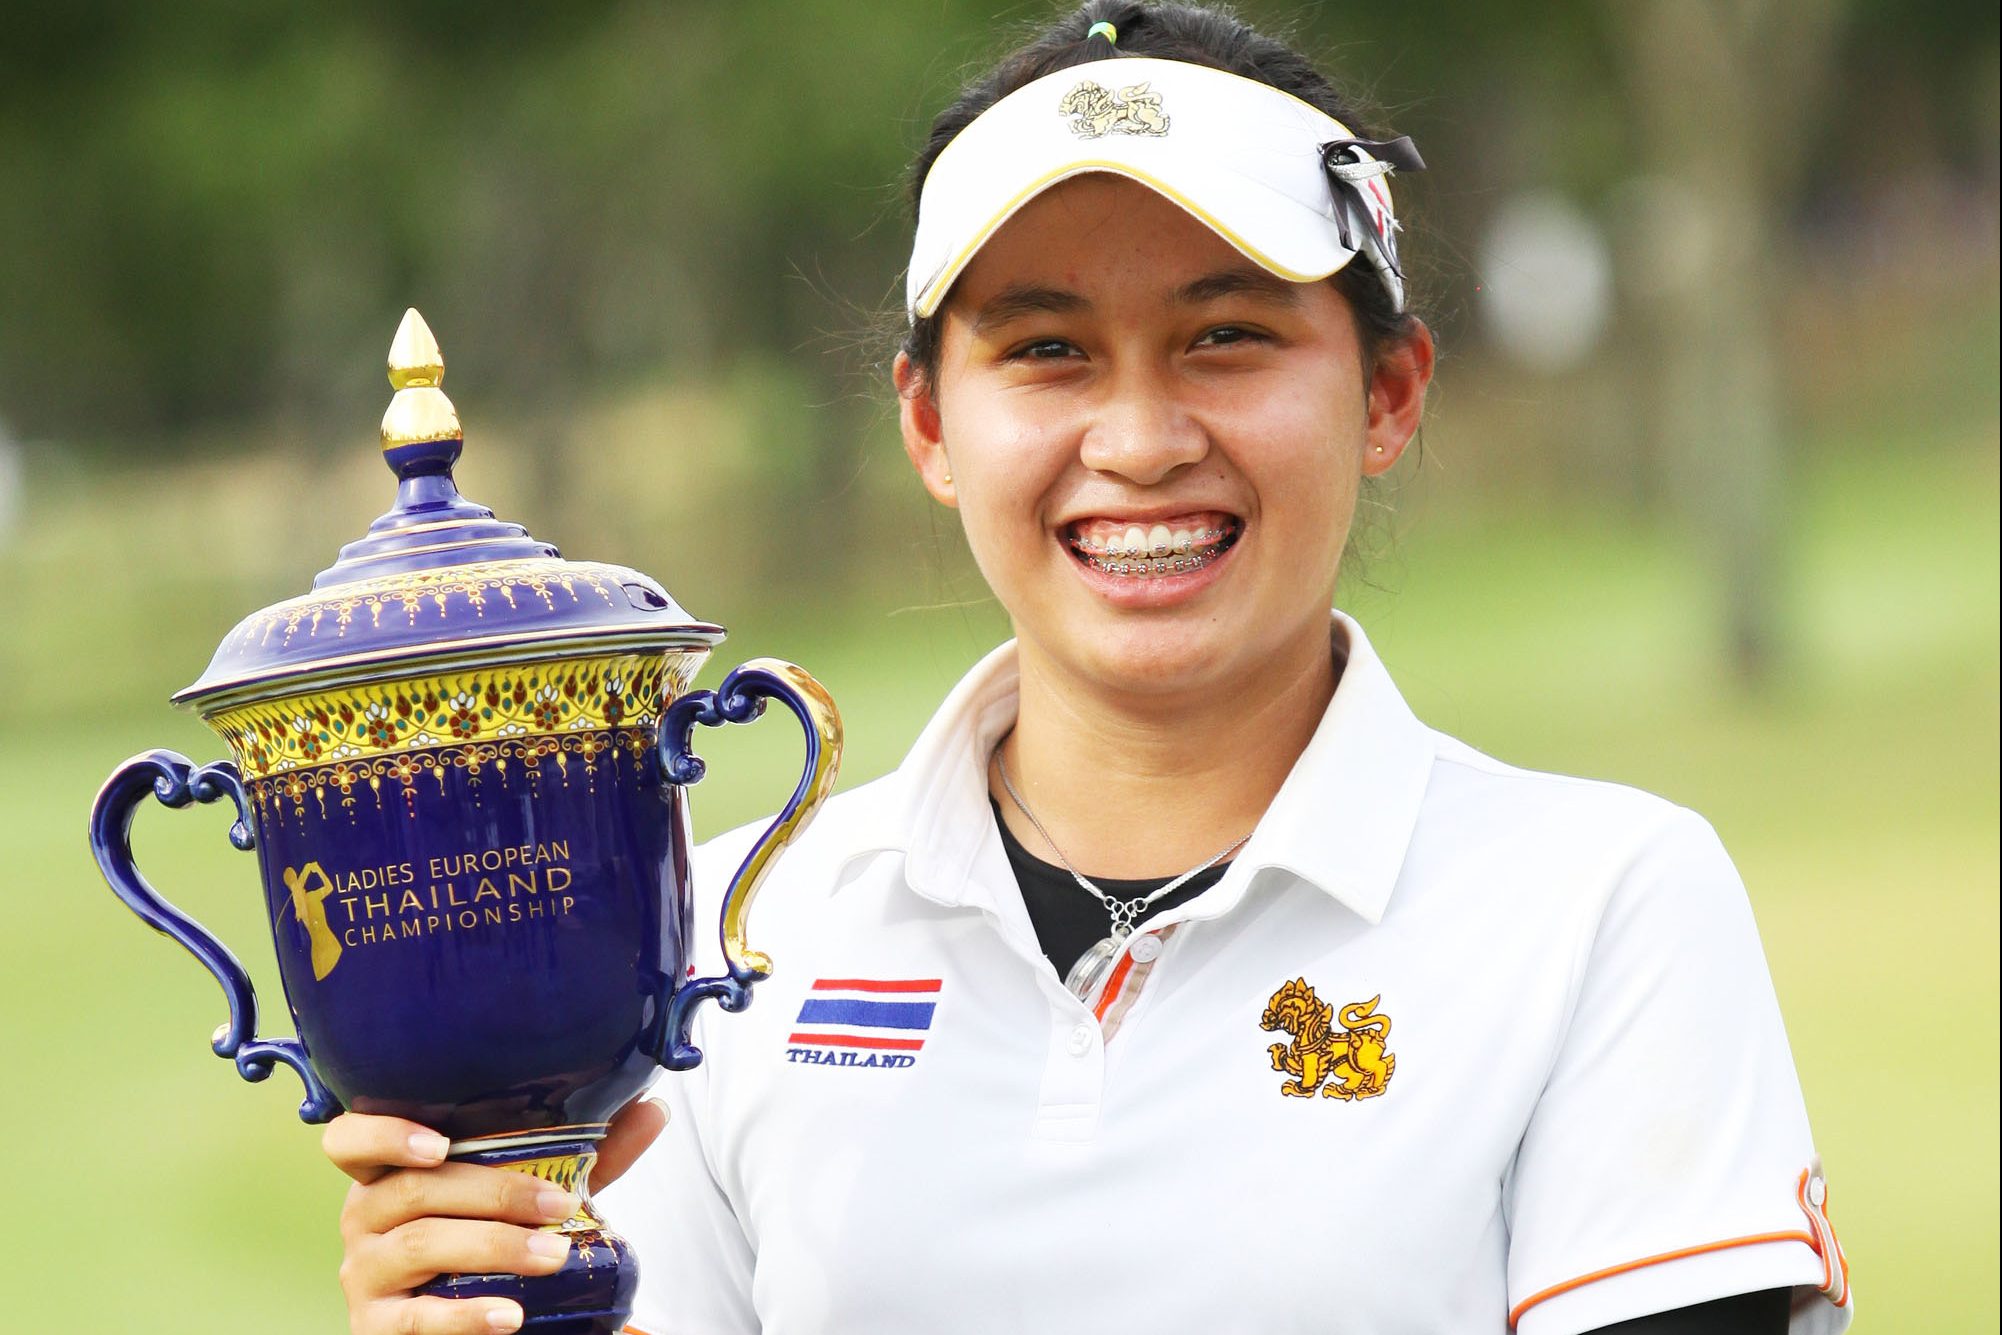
[(1091, 968)]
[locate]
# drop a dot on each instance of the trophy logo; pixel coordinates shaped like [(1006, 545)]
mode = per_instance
[(1347, 1063), (310, 885), (1094, 112)]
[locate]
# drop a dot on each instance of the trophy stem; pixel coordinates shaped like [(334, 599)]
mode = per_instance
[(593, 1293)]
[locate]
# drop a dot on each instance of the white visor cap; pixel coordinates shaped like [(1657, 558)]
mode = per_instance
[(1242, 157)]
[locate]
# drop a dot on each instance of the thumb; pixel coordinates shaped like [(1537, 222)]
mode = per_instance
[(633, 1128)]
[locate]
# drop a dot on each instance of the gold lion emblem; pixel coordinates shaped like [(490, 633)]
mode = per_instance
[(1347, 1063), (1094, 112)]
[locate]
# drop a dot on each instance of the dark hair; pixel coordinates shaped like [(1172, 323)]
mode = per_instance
[(1198, 35)]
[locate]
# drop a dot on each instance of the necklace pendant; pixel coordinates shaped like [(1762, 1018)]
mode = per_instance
[(1124, 913), (1088, 975)]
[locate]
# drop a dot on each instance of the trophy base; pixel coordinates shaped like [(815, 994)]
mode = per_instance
[(593, 1292)]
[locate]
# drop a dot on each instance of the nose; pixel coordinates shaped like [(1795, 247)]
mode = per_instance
[(1142, 432)]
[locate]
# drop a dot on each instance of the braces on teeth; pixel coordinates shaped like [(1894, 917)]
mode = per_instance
[(1155, 553)]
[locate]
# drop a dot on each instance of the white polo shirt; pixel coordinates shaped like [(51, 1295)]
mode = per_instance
[(1452, 1047)]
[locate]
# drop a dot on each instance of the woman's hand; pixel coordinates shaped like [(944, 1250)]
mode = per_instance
[(410, 1217)]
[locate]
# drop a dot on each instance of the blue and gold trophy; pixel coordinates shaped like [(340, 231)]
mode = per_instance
[(460, 760)]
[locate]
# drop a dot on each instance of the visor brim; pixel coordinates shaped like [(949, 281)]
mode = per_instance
[(1267, 226)]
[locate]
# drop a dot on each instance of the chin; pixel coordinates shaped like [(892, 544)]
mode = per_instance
[(1168, 656)]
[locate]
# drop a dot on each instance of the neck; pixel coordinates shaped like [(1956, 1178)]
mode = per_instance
[(1138, 786)]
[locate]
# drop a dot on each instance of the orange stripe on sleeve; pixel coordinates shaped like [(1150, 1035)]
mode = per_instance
[(1677, 1255), (1834, 1261)]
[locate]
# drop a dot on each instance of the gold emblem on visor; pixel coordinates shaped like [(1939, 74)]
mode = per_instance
[(1348, 1063), (1093, 112)]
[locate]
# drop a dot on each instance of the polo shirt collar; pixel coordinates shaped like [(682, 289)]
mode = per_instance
[(1341, 821)]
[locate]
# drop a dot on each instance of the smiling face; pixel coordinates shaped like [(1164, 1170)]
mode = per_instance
[(1154, 444)]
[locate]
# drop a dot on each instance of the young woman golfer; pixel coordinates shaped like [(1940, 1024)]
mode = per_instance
[(1181, 979)]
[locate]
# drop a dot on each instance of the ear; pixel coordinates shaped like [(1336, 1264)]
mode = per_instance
[(1397, 398), (924, 432)]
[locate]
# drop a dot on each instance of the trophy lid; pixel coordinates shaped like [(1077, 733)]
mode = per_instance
[(437, 579)]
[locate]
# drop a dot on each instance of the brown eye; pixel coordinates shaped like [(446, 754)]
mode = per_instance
[(1224, 336), (1042, 350)]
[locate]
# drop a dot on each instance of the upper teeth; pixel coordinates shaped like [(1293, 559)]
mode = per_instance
[(1160, 540)]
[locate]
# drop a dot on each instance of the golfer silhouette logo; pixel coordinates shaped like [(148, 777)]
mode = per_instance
[(310, 886)]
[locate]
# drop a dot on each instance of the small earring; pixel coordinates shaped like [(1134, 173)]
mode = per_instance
[(948, 477), (1378, 449)]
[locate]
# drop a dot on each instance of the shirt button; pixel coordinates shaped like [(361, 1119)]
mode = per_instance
[(1079, 1042), (1817, 1192), (1146, 950)]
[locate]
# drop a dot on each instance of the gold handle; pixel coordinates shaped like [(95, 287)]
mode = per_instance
[(740, 699)]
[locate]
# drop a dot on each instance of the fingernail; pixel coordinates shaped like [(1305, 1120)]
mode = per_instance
[(549, 1246), (504, 1318), (661, 1104), (556, 1204), (429, 1146)]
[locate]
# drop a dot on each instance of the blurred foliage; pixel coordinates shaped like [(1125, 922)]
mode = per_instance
[(208, 204), (210, 213)]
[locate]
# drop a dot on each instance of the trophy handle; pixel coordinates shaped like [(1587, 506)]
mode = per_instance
[(741, 699), (176, 781)]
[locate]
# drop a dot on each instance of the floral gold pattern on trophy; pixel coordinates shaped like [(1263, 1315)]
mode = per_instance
[(450, 709), (446, 593), (530, 759)]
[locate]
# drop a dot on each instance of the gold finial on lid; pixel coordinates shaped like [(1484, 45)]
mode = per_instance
[(420, 412), (414, 358)]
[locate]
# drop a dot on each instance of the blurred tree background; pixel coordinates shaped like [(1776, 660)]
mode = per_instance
[(1707, 501), (212, 209)]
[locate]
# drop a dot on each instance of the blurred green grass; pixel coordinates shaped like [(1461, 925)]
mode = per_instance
[(1858, 791)]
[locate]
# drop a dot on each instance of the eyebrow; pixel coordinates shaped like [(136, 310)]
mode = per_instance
[(1241, 281), (1020, 299), (1024, 299)]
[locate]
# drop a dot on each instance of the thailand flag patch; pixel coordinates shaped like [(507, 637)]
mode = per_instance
[(873, 1022)]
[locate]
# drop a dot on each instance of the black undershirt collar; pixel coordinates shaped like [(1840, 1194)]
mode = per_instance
[(1067, 919)]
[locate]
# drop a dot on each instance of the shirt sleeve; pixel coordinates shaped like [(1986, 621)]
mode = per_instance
[(695, 1261), (1668, 1160)]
